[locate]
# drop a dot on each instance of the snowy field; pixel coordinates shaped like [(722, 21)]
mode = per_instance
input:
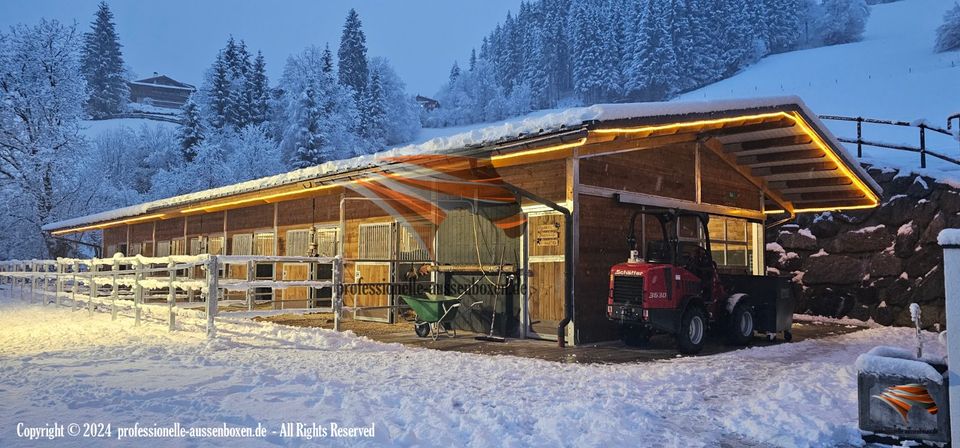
[(64, 366)]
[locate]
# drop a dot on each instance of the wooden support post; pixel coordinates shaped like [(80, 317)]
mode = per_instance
[(137, 291), (172, 295), (213, 293), (115, 291), (951, 269), (337, 292)]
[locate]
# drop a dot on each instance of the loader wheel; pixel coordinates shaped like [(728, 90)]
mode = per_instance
[(740, 324), (693, 328), (787, 336)]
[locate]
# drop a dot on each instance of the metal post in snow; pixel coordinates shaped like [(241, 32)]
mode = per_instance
[(33, 280), (949, 239), (213, 293), (172, 295), (859, 137), (250, 276), (923, 145)]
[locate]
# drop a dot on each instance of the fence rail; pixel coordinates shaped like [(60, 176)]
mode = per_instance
[(923, 127), (138, 283)]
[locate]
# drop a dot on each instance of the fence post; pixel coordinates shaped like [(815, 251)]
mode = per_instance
[(73, 286), (251, 267), (949, 239), (60, 272), (337, 291), (32, 275), (92, 285), (923, 145), (859, 137), (172, 294), (115, 291), (213, 293), (137, 292)]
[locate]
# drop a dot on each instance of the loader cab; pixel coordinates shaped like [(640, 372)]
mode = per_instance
[(684, 242)]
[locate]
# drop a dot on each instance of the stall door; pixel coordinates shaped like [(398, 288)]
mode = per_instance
[(297, 244), (546, 275), (372, 272)]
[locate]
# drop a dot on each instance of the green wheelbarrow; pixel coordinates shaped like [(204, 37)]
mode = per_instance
[(433, 312)]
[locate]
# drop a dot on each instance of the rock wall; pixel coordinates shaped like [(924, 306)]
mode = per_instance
[(871, 264)]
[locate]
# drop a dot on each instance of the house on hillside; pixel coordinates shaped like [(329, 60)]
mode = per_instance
[(541, 205), (427, 104), (161, 91)]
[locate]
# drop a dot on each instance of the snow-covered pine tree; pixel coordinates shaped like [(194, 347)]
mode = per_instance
[(556, 59), (353, 71), (590, 71), (736, 38), (102, 65), (785, 23), (218, 92), (948, 34), (842, 21), (190, 133), (403, 112), (473, 58), (42, 92), (373, 120), (655, 63), (310, 139), (257, 91), (239, 107), (454, 72)]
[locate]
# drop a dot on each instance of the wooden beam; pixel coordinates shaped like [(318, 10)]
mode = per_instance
[(717, 148), (665, 202), (826, 196), (817, 165), (767, 134), (785, 162), (629, 143), (791, 155), (775, 149), (805, 175), (819, 182)]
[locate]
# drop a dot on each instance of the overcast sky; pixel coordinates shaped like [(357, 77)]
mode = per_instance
[(180, 38)]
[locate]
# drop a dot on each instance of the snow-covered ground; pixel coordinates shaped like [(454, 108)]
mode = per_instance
[(891, 74), (64, 366)]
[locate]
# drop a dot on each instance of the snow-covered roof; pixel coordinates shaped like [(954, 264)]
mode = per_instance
[(540, 123)]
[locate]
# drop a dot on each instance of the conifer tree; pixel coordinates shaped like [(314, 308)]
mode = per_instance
[(353, 71), (190, 132), (102, 66)]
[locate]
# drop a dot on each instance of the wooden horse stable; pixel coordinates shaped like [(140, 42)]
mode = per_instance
[(575, 178)]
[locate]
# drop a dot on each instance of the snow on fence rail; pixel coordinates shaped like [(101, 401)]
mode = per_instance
[(136, 283)]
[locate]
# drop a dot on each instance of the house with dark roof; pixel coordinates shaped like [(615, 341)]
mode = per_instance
[(160, 91)]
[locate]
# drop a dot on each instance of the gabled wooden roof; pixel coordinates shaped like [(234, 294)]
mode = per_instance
[(776, 143)]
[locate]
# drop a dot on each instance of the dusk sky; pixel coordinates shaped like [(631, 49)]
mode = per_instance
[(180, 38)]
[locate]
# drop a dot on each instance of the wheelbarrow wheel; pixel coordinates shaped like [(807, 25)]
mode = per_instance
[(422, 329)]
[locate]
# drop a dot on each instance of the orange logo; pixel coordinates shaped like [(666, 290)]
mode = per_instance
[(902, 398)]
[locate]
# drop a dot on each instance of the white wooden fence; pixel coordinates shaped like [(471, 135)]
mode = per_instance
[(134, 283)]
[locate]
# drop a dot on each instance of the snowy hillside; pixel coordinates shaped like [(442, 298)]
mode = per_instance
[(92, 128), (892, 73)]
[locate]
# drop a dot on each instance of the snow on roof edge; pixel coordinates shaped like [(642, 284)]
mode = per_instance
[(484, 134)]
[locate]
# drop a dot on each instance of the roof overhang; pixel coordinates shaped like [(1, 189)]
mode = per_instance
[(779, 146)]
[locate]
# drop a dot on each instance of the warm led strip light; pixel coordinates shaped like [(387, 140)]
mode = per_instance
[(539, 150), (109, 224)]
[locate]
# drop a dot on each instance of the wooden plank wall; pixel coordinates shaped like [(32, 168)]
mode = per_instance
[(722, 185), (668, 172)]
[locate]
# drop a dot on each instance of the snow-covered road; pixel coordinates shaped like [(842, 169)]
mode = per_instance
[(64, 366)]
